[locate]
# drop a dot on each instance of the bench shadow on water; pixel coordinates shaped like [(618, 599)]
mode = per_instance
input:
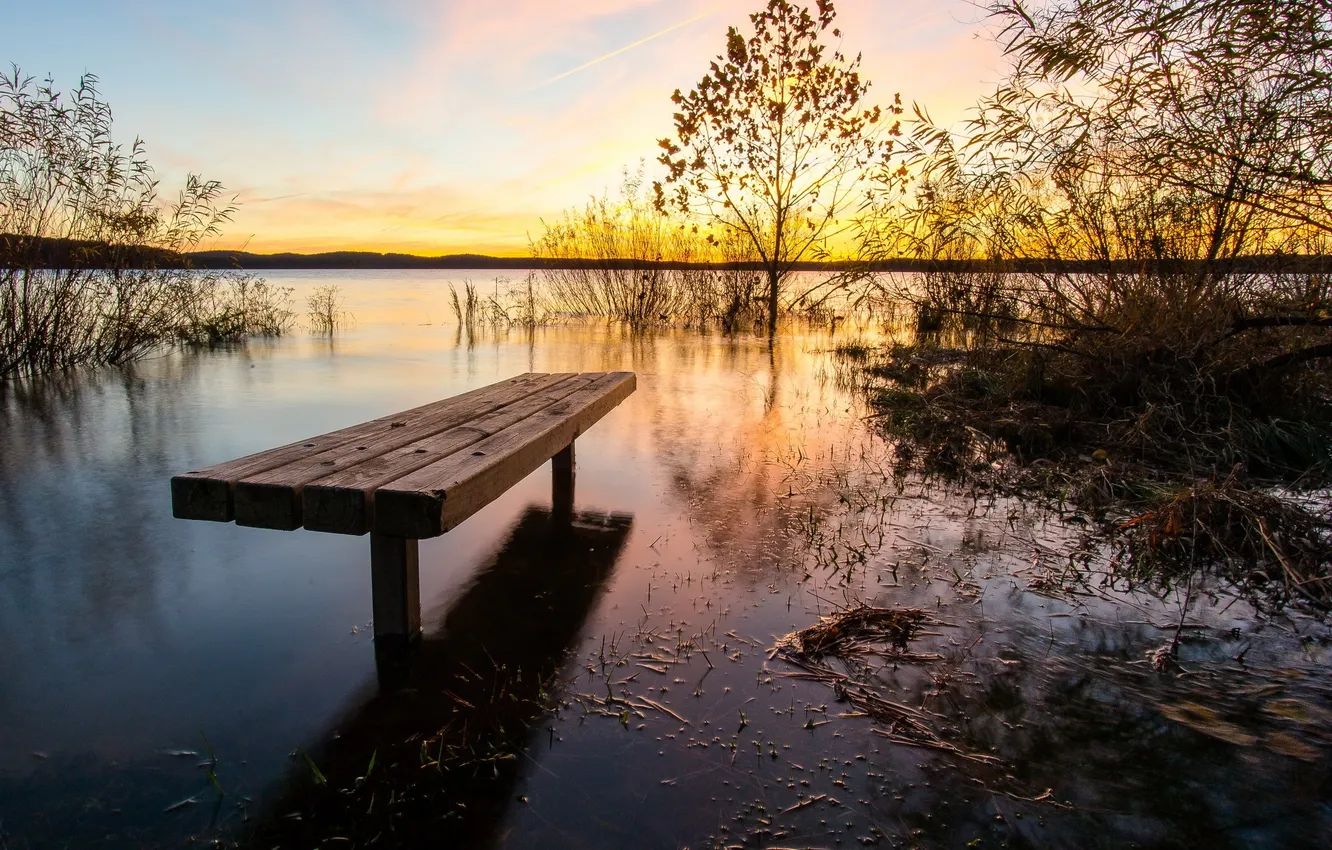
[(444, 741)]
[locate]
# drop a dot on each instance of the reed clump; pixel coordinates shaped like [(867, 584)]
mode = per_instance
[(467, 309), (92, 266), (324, 310), (523, 305), (231, 307)]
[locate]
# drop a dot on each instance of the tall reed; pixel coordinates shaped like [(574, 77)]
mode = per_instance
[(622, 259), (468, 309)]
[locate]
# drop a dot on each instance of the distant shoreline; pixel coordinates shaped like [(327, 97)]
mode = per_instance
[(371, 260), (25, 252)]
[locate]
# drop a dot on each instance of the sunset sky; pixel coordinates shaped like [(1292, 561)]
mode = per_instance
[(435, 126)]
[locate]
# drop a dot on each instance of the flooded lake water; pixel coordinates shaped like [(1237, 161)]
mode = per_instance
[(163, 681)]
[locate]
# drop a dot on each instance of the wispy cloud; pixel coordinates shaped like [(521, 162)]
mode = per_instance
[(627, 47), (270, 200)]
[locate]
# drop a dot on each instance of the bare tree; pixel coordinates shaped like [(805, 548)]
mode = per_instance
[(1228, 99), (1137, 160), (771, 144)]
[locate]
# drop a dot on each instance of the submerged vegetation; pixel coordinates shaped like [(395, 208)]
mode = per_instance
[(91, 257), (1175, 495), (526, 305)]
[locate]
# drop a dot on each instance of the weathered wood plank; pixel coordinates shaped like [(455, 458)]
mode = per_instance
[(435, 498), (272, 498), (206, 493), (343, 502)]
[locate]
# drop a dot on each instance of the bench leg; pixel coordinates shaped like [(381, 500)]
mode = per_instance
[(562, 468), (395, 587)]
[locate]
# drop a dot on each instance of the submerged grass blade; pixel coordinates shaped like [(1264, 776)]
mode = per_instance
[(315, 772)]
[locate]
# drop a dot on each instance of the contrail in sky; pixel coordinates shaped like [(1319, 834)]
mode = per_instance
[(641, 41)]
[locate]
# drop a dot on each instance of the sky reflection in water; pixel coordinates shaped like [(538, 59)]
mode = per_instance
[(736, 476)]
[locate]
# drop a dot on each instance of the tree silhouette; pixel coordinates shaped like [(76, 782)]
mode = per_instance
[(1227, 100), (772, 143)]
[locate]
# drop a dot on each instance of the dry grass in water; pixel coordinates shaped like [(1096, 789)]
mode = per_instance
[(1259, 541), (466, 310), (325, 310), (863, 630)]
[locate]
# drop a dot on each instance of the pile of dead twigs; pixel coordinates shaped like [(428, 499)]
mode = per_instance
[(861, 635), (857, 631)]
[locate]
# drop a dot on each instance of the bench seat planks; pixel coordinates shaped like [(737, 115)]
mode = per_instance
[(436, 464), (435, 498)]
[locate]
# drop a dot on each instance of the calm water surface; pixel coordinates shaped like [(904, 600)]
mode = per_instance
[(738, 495)]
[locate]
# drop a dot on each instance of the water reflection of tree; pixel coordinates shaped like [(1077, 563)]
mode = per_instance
[(746, 432), (452, 728), (748, 461)]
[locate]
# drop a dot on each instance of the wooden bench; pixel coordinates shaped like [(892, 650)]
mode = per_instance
[(410, 476)]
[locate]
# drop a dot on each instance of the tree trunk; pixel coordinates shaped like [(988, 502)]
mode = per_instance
[(774, 283)]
